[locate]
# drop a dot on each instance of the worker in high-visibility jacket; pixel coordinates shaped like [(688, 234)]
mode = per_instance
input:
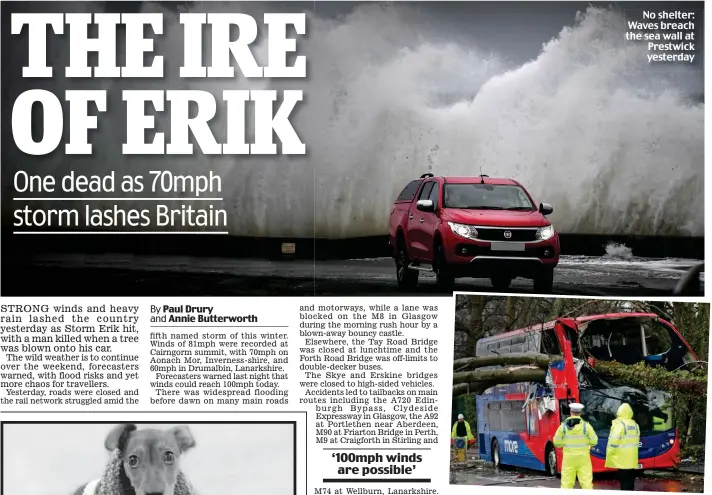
[(576, 436), (622, 448), (461, 429)]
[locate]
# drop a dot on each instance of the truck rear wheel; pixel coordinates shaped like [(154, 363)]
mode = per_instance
[(407, 279)]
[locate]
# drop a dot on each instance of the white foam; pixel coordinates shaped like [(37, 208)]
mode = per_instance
[(616, 250)]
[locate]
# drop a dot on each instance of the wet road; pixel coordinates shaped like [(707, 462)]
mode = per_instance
[(122, 274), (659, 481)]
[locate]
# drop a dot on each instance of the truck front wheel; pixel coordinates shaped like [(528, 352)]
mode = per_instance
[(501, 283), (544, 281), (444, 278)]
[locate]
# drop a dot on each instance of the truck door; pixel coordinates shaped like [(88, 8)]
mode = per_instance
[(430, 223), (416, 233)]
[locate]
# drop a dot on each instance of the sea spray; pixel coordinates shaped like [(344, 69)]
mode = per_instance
[(618, 250), (616, 147)]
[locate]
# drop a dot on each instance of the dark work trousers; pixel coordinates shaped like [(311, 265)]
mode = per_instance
[(627, 479)]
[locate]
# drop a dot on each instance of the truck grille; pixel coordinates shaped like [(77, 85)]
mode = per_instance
[(530, 252), (497, 234)]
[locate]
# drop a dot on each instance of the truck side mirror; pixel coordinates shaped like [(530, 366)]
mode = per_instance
[(546, 209), (425, 205)]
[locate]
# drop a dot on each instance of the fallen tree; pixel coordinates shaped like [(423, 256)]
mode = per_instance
[(679, 383), (532, 367), (534, 358), (516, 368), (476, 382)]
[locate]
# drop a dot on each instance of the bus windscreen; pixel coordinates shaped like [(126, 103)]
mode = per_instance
[(652, 410)]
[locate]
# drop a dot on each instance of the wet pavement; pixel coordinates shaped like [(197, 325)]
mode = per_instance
[(113, 274), (483, 474)]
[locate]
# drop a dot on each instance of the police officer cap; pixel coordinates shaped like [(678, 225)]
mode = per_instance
[(460, 416), (576, 407)]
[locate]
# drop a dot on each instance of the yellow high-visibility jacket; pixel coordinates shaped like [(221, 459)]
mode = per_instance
[(623, 440), (470, 437), (576, 439)]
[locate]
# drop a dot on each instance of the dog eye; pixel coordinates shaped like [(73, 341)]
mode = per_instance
[(168, 457), (133, 461)]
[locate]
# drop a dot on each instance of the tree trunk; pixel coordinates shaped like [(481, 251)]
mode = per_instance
[(688, 433), (479, 381), (536, 359), (558, 308), (511, 312), (515, 374), (533, 368), (477, 306)]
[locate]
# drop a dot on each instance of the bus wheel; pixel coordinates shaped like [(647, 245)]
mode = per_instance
[(550, 465), (495, 454)]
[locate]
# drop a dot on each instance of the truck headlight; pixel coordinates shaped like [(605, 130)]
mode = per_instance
[(466, 231), (545, 233)]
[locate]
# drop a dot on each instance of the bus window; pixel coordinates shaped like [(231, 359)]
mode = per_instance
[(533, 340), (652, 410), (507, 416), (494, 416), (625, 345), (564, 411), (614, 340), (661, 411), (657, 338), (533, 419), (632, 336), (549, 342), (518, 344), (519, 416)]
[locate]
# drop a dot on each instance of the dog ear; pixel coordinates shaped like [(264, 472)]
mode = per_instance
[(183, 436), (118, 436)]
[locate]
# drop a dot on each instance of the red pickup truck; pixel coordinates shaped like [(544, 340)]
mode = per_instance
[(478, 227)]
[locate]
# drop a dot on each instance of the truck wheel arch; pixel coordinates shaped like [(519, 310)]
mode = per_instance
[(399, 241), (437, 241), (400, 237)]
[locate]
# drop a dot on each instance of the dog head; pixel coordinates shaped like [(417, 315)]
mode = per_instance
[(150, 457)]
